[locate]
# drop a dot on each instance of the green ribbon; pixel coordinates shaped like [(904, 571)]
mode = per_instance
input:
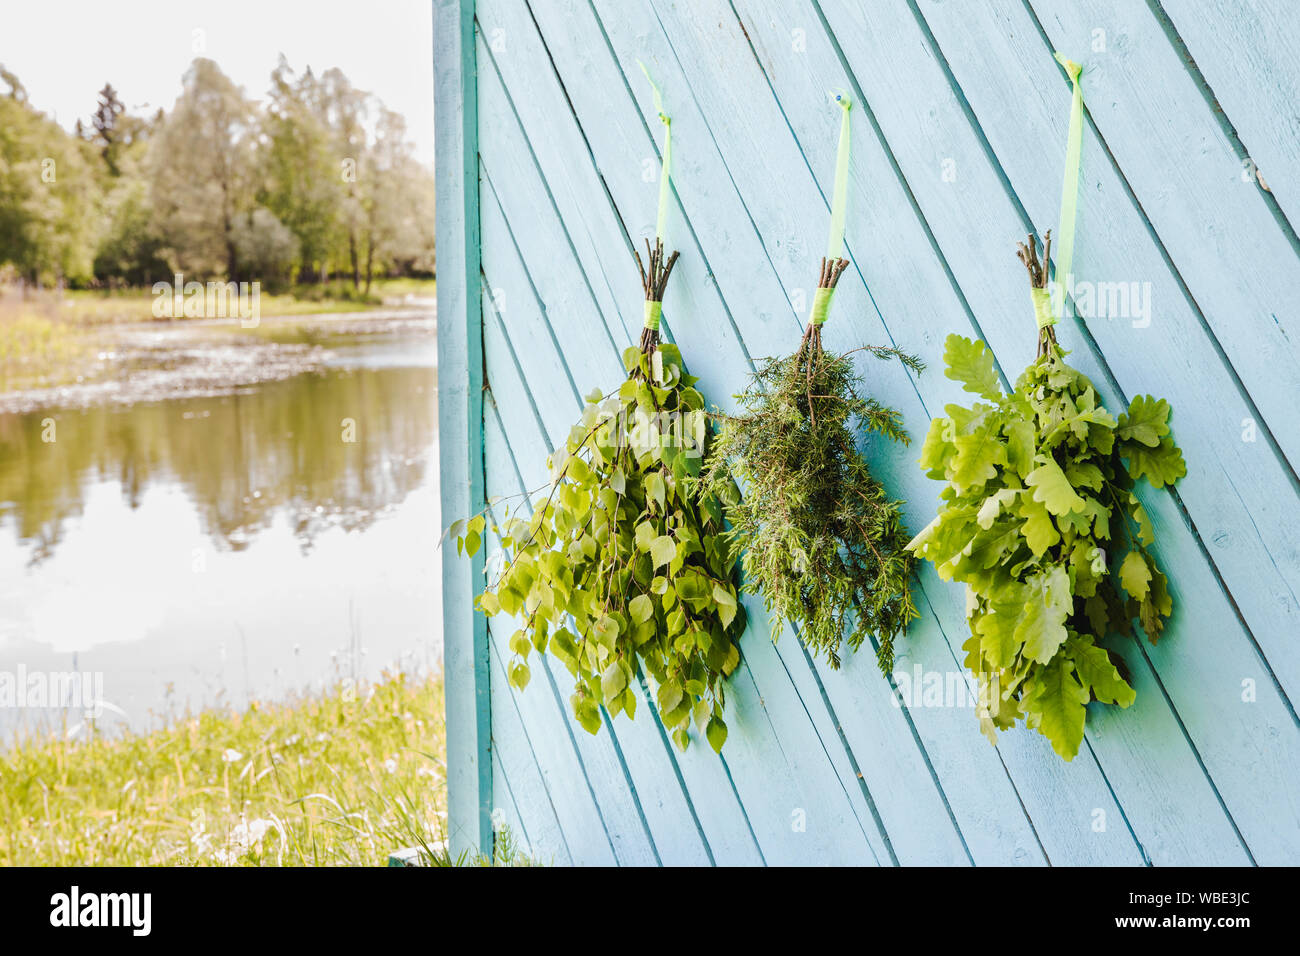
[(652, 312), (666, 173), (821, 307), (1042, 300), (840, 202), (1069, 187)]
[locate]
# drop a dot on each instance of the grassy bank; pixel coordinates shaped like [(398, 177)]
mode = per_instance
[(338, 779), (136, 305), (38, 350)]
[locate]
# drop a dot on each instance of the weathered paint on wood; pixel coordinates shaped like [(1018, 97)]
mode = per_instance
[(460, 426), (959, 127)]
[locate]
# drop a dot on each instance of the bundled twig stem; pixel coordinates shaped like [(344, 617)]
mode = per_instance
[(1038, 274), (810, 349), (654, 279)]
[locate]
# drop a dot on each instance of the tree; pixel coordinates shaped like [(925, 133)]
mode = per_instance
[(397, 199), (105, 121), (319, 182), (267, 248), (347, 111), (16, 89), (130, 250), (202, 170), (298, 172), (49, 196)]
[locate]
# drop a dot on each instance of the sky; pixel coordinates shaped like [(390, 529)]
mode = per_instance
[(63, 51)]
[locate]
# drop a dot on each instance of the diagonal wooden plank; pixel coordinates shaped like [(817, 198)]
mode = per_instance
[(1247, 51), (517, 784)]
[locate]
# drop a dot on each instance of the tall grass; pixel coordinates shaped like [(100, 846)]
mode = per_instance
[(36, 349), (342, 778)]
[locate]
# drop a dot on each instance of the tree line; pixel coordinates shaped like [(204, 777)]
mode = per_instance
[(318, 181)]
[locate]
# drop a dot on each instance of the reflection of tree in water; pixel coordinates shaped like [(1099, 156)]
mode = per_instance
[(243, 459)]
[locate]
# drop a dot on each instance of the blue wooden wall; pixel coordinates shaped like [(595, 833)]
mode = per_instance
[(959, 127)]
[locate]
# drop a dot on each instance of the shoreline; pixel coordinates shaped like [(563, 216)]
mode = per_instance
[(52, 340), (126, 362)]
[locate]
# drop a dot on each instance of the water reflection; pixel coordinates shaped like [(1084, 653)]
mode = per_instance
[(241, 458), (222, 549)]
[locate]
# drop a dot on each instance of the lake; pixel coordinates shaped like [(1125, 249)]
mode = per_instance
[(229, 518)]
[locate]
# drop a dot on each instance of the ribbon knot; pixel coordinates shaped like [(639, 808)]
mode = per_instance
[(1072, 68)]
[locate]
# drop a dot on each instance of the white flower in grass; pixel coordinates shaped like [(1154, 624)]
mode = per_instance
[(231, 755), (246, 836), (390, 765), (249, 833)]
